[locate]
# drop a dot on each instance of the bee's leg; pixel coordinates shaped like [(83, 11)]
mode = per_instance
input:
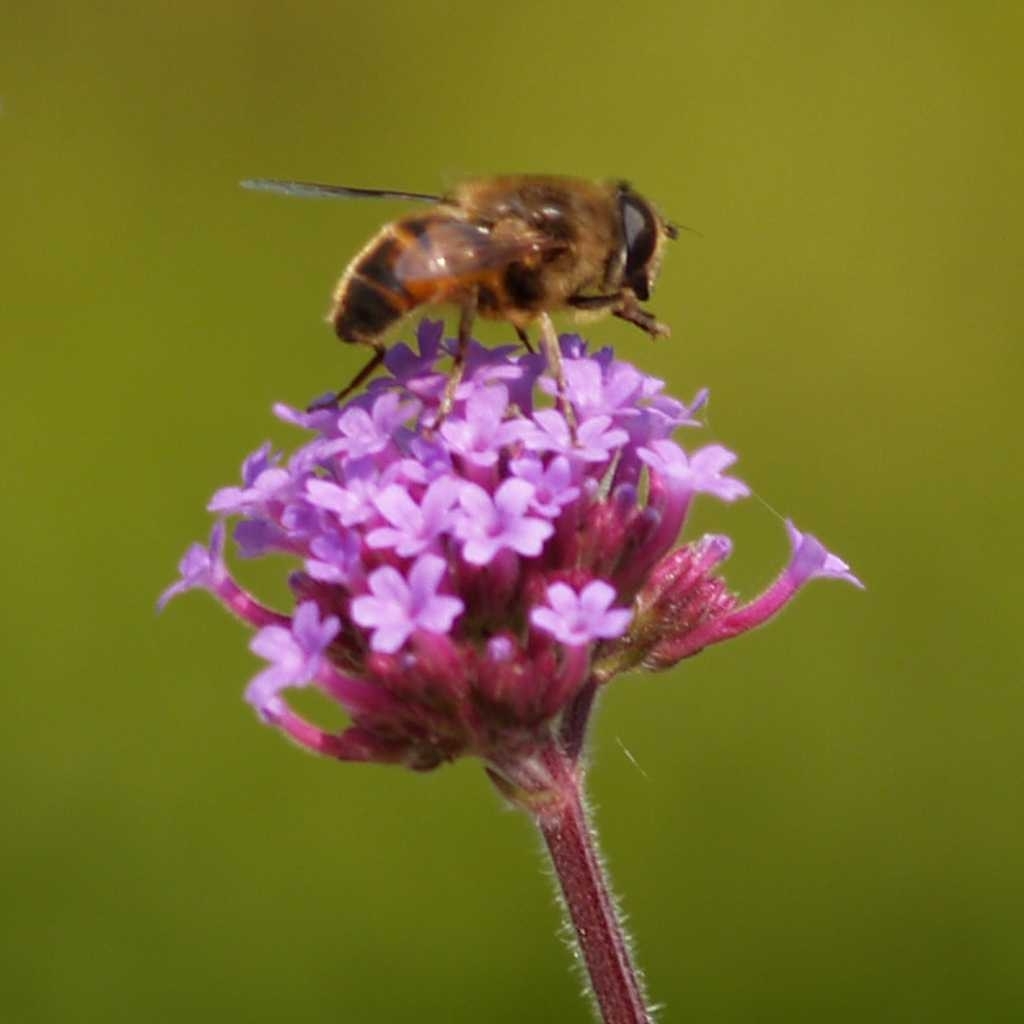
[(625, 307), (524, 338), (466, 317), (553, 354), (332, 400), (630, 311), (594, 301)]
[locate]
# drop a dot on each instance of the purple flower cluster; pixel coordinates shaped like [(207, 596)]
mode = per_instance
[(461, 586)]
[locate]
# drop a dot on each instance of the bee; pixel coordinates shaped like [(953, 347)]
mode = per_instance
[(514, 248)]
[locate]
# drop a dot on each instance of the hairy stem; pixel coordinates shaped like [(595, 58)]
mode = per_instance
[(559, 812)]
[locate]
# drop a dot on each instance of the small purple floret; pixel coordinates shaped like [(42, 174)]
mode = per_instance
[(700, 473), (335, 558), (553, 488), (413, 527), (397, 605), (256, 537), (575, 619), (201, 568), (594, 390), (363, 433), (295, 654), (417, 371), (353, 504), (595, 438), (811, 560), (490, 524), (480, 436), (263, 482)]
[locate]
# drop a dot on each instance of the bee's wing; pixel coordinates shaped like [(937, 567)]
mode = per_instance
[(458, 249), (316, 190)]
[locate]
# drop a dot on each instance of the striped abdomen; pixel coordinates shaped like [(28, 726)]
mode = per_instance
[(377, 289)]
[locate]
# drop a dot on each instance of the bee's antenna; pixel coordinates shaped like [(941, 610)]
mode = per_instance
[(672, 230)]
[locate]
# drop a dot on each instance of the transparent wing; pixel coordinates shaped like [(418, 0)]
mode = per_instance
[(315, 190), (459, 249)]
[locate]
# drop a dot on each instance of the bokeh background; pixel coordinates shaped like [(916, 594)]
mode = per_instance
[(820, 822)]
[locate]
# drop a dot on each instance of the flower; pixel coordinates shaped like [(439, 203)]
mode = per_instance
[(581, 618), (201, 567), (465, 588), (552, 484), (593, 441), (697, 473), (491, 523), (482, 432), (368, 433), (295, 653), (811, 561), (397, 606), (262, 480)]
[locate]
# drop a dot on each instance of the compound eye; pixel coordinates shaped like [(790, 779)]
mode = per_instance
[(640, 236)]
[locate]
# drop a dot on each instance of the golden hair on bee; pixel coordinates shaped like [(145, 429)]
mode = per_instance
[(513, 247)]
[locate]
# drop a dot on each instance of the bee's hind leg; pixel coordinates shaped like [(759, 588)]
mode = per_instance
[(466, 317), (332, 400), (524, 338)]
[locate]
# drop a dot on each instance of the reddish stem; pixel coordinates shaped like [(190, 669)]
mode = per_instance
[(573, 730), (562, 820)]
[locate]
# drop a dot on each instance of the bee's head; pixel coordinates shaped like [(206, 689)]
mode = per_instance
[(643, 232)]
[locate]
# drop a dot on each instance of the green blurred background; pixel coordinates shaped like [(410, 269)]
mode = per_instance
[(820, 822)]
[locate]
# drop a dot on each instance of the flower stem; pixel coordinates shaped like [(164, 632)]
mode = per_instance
[(575, 720), (562, 821)]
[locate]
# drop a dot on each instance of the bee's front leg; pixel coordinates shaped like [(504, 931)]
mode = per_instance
[(625, 306), (630, 311)]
